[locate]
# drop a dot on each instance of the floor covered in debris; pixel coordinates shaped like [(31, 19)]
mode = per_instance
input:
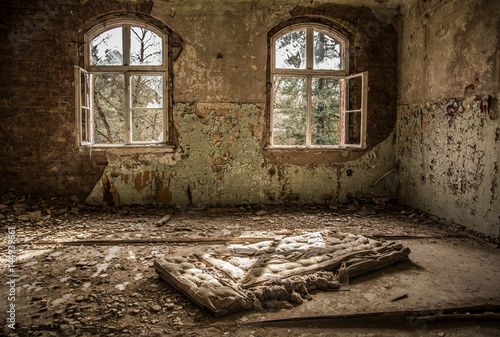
[(88, 271)]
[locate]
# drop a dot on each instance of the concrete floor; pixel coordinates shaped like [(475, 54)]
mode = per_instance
[(96, 290), (441, 273)]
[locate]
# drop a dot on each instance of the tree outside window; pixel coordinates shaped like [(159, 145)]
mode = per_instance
[(122, 90), (309, 68)]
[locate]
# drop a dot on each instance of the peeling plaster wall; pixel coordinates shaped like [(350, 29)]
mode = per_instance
[(219, 100), (220, 117), (220, 162), (448, 146)]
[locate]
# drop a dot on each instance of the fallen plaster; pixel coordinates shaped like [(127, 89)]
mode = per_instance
[(277, 273)]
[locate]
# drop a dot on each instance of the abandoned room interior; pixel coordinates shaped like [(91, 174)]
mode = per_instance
[(250, 167)]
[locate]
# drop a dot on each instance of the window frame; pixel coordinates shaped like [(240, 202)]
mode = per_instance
[(308, 73), (362, 110), (127, 71)]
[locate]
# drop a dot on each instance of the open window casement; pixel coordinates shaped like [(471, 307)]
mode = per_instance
[(314, 103), (140, 120), (354, 116), (122, 91), (84, 99)]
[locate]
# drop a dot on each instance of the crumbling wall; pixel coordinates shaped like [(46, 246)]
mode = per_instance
[(219, 99), (448, 125), (219, 161)]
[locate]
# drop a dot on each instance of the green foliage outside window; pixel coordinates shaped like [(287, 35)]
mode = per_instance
[(291, 93)]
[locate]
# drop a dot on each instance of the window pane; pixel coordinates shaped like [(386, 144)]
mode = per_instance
[(109, 109), (354, 103), (325, 111), (327, 52), (291, 50), (353, 128), (290, 109), (146, 91), (85, 107), (107, 48), (147, 125), (145, 47)]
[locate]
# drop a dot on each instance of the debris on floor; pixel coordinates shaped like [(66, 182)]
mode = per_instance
[(276, 273)]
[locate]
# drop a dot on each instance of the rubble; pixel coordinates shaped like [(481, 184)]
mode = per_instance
[(76, 282)]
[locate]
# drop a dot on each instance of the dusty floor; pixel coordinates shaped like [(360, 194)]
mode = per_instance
[(113, 290)]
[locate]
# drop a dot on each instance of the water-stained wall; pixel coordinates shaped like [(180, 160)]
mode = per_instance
[(448, 130), (220, 161)]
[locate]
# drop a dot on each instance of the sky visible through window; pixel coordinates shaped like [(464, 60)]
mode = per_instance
[(111, 112), (290, 51)]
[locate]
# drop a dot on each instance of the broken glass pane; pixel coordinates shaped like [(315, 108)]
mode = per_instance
[(291, 50), (147, 125), (327, 52), (290, 110), (145, 47), (146, 91), (325, 111), (109, 109), (107, 49)]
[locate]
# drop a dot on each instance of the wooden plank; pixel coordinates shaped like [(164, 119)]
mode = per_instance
[(164, 220), (428, 314), (154, 241), (459, 317)]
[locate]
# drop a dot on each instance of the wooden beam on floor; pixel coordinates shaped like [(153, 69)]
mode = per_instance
[(219, 240)]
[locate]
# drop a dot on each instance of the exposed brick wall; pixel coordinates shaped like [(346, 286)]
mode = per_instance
[(373, 48), (37, 118)]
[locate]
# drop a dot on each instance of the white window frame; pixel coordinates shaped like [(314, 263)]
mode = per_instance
[(127, 70), (309, 73), (362, 110)]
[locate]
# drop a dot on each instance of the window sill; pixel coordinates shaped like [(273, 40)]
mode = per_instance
[(315, 148), (128, 149), (317, 155)]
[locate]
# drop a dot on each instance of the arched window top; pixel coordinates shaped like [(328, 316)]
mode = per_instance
[(122, 91), (313, 47), (313, 100), (127, 43)]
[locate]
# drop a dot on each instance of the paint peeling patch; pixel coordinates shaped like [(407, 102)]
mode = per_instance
[(451, 108), (216, 138), (449, 148), (235, 135), (218, 165), (164, 194)]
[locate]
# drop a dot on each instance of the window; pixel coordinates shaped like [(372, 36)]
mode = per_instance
[(314, 102), (121, 93)]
